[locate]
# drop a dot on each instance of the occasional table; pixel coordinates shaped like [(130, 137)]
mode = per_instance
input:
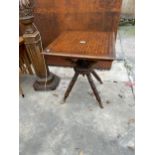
[(83, 49)]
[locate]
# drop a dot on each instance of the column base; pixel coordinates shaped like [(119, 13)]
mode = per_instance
[(51, 84)]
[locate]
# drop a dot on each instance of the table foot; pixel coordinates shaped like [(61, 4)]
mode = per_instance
[(94, 90)]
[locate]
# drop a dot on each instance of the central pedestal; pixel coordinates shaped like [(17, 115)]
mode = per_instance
[(84, 68)]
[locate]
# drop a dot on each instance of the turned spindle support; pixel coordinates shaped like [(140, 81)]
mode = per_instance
[(45, 79)]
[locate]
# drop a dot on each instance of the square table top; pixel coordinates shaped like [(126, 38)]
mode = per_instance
[(83, 45)]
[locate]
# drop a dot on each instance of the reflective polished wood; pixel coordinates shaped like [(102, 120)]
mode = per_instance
[(84, 36), (83, 45), (83, 49), (53, 17)]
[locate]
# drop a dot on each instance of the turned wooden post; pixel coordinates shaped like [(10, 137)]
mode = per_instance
[(45, 79)]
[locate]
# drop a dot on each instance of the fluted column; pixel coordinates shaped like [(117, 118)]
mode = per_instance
[(45, 79)]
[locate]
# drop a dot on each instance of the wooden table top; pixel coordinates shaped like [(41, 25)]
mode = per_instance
[(83, 45)]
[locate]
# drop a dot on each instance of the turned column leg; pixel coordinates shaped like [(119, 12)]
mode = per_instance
[(71, 85), (32, 39), (94, 90)]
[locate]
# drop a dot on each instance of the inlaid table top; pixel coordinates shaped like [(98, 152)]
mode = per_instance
[(84, 45)]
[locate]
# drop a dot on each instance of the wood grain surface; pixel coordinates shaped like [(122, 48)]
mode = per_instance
[(80, 44), (53, 17)]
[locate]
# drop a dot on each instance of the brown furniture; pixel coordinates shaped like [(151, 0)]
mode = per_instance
[(82, 35), (84, 45), (32, 39), (54, 18), (25, 64), (83, 49)]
